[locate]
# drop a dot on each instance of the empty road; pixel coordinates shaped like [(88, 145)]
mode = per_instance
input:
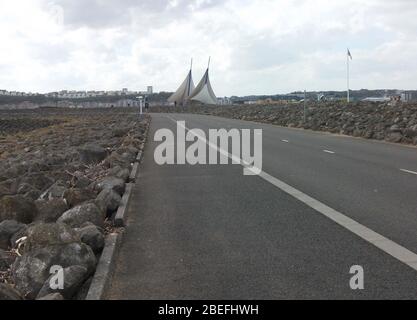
[(323, 204)]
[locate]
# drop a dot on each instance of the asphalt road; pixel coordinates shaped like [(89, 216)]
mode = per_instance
[(209, 232)]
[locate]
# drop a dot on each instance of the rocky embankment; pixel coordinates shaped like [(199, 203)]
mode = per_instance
[(379, 121), (60, 187)]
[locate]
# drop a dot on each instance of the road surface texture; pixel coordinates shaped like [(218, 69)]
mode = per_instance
[(209, 232)]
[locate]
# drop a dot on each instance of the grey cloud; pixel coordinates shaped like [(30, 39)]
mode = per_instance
[(49, 53), (94, 13), (110, 13), (154, 40)]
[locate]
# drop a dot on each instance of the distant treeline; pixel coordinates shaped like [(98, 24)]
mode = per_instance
[(15, 100), (355, 94), (163, 96), (41, 99), (298, 95)]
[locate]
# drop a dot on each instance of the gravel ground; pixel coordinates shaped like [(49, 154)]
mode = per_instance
[(62, 175)]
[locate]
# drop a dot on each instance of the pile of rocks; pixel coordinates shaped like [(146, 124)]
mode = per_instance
[(8, 126), (380, 121), (59, 190)]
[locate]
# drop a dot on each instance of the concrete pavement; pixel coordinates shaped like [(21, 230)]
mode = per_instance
[(208, 232)]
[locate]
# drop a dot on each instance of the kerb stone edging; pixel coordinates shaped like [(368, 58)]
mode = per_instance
[(106, 264), (105, 267), (120, 218)]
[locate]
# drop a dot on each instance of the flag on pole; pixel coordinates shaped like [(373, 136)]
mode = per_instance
[(349, 55)]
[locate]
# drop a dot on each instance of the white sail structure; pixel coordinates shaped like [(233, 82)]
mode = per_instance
[(204, 92), (181, 96)]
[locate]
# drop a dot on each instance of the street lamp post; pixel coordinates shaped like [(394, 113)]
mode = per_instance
[(140, 99)]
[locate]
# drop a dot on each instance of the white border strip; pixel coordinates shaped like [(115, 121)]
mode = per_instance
[(408, 171), (395, 250)]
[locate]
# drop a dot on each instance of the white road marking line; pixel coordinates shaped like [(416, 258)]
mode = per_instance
[(408, 171), (286, 141), (388, 246), (328, 151)]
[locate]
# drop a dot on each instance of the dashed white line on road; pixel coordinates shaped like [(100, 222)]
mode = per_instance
[(408, 171), (388, 246), (286, 141), (328, 151)]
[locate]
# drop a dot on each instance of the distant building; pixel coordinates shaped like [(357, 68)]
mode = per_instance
[(224, 101), (395, 98), (409, 96), (91, 94), (73, 94)]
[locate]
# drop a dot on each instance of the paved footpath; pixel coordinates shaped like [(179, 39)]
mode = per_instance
[(208, 232)]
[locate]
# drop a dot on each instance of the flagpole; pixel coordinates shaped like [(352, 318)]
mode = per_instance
[(305, 107), (347, 63)]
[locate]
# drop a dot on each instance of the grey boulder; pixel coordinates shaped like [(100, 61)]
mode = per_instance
[(4, 191), (50, 210), (49, 234), (394, 137), (116, 159), (7, 293), (56, 191), (83, 291), (123, 174), (6, 260), (130, 157), (92, 236), (17, 208), (121, 132), (112, 183), (32, 269), (119, 172), (27, 189), (82, 182), (37, 180), (88, 212), (74, 277), (8, 228), (90, 154), (108, 200), (76, 196), (411, 132)]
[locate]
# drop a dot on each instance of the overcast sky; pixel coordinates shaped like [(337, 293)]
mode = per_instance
[(257, 47)]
